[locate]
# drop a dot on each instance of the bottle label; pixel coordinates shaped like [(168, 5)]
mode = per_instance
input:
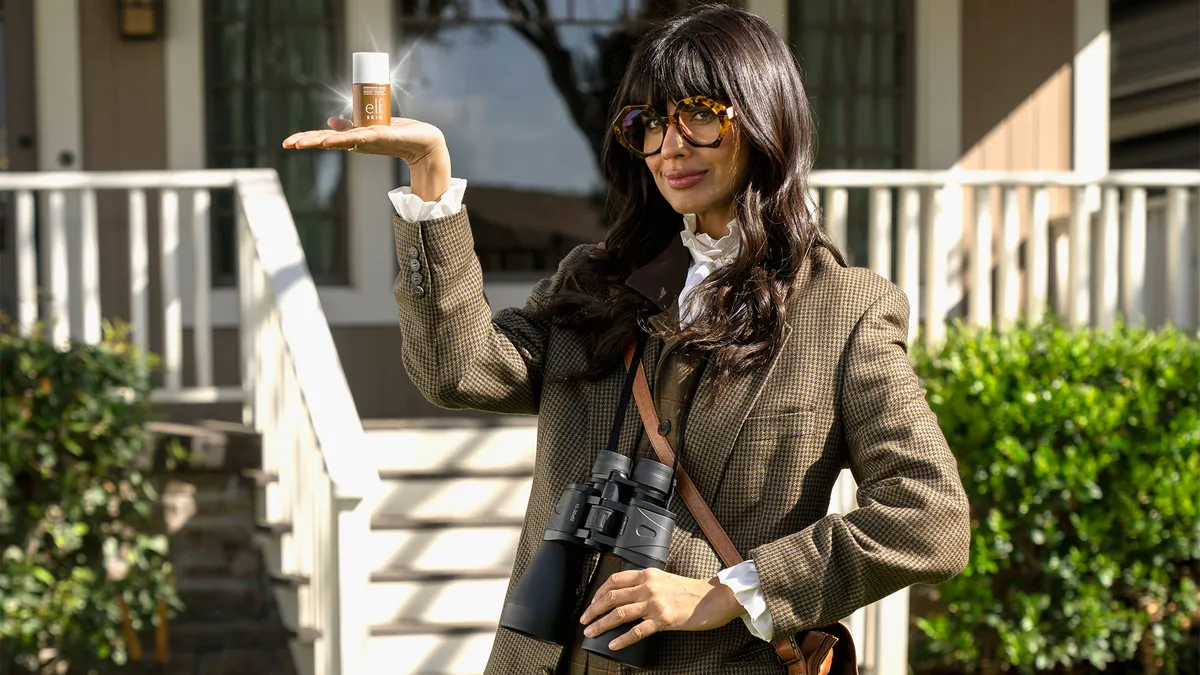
[(372, 104)]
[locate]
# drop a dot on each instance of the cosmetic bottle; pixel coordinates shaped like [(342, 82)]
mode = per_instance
[(372, 89)]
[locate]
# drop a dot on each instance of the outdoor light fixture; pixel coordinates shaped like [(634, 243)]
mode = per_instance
[(140, 19)]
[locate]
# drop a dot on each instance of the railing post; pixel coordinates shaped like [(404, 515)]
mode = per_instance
[(908, 256), (352, 519), (201, 288), (1106, 273), (1008, 297), (1133, 255), (934, 254), (981, 259), (58, 269), (89, 268), (172, 305), (1037, 254), (1177, 285), (1079, 247), (139, 271), (27, 295), (881, 232), (835, 219)]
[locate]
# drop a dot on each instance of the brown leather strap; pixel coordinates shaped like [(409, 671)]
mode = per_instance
[(687, 489)]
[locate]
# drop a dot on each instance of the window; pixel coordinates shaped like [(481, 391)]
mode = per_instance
[(269, 65), (856, 60), (522, 95)]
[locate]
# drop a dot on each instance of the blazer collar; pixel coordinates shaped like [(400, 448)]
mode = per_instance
[(661, 280)]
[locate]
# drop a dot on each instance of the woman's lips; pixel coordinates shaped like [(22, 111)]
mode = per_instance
[(684, 178)]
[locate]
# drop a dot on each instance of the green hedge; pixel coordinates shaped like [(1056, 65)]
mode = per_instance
[(74, 511), (1080, 453)]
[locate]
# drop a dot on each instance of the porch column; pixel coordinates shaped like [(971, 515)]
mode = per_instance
[(58, 85), (1090, 117)]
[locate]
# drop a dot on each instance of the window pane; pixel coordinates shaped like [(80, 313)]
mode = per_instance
[(531, 160), (856, 56), (270, 66), (306, 55), (312, 179)]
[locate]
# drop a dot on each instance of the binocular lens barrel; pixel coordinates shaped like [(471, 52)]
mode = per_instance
[(609, 512)]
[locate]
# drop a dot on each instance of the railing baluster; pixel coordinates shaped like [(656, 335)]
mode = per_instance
[(27, 292), (908, 252), (1078, 272), (981, 259), (139, 271), (169, 274), (880, 243), (201, 288), (835, 219), (933, 255), (1177, 257), (1009, 295), (89, 268), (1133, 258), (1106, 275), (1037, 254), (58, 270)]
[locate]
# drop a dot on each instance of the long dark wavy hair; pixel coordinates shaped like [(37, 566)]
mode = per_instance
[(732, 56)]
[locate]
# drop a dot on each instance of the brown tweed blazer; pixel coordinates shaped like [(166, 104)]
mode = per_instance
[(841, 391)]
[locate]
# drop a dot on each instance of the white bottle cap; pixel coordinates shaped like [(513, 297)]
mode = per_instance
[(371, 68)]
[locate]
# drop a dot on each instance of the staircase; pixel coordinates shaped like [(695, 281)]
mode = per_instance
[(443, 536)]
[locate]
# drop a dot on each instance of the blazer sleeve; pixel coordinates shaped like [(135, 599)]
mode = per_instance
[(913, 523), (457, 354)]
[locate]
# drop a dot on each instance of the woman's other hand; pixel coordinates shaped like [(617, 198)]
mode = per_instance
[(652, 600), (420, 144)]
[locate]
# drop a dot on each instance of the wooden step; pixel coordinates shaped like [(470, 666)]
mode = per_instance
[(211, 446), (398, 522)]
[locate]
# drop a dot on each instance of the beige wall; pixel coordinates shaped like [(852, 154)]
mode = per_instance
[(1016, 84)]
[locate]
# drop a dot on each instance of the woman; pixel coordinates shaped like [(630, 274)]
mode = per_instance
[(782, 364)]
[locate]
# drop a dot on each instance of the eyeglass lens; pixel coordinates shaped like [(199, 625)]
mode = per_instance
[(645, 130)]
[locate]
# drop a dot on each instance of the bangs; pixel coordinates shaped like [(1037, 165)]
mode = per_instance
[(675, 67)]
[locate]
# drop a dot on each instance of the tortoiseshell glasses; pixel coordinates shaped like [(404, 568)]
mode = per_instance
[(701, 121)]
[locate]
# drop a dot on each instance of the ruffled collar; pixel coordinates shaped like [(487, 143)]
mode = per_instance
[(705, 249)]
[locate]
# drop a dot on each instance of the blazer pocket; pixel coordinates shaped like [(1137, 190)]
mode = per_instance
[(774, 427)]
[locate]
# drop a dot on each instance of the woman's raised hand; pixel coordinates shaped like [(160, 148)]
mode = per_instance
[(421, 145)]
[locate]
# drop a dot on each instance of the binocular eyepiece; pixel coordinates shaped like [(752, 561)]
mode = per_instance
[(613, 512)]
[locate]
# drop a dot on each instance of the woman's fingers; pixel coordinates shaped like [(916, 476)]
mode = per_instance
[(611, 599), (307, 139), (340, 124), (619, 616), (639, 632)]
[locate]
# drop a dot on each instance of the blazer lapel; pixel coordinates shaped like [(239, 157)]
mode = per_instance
[(712, 428)]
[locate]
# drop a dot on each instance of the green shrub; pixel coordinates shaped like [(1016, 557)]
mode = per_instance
[(1080, 453), (76, 516)]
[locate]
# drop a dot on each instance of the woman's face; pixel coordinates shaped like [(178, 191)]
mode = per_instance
[(701, 180)]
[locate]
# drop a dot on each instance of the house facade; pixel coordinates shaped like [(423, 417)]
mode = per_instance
[(894, 84)]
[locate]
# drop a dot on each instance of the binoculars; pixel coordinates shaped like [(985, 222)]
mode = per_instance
[(615, 511)]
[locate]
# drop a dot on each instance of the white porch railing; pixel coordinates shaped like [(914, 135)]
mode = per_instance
[(293, 389), (1105, 251)]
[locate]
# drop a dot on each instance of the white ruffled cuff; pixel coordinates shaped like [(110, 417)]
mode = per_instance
[(742, 579), (412, 208)]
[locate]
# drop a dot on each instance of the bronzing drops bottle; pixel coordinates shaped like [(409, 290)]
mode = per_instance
[(372, 89)]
